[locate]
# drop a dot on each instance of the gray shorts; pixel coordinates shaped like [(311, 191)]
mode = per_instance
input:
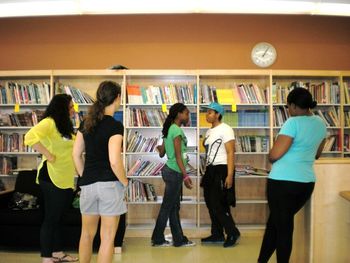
[(103, 198)]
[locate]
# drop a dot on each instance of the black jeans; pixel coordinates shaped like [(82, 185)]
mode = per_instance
[(285, 199), (56, 202), (215, 198), (170, 208)]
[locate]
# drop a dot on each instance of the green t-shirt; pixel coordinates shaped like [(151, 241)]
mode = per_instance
[(173, 132)]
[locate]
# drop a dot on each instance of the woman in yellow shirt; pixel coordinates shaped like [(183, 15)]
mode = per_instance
[(53, 137)]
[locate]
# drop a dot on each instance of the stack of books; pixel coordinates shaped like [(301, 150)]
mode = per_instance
[(13, 143), (170, 94), (252, 144), (138, 191), (136, 142), (15, 93), (235, 94), (145, 168), (25, 119), (78, 96)]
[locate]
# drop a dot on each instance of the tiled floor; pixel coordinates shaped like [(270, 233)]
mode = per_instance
[(138, 250)]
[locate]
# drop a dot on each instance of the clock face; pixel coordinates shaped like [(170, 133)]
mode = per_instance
[(263, 54)]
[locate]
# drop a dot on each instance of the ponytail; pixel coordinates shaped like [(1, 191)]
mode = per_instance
[(106, 93), (174, 110)]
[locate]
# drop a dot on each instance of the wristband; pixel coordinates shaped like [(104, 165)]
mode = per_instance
[(186, 177)]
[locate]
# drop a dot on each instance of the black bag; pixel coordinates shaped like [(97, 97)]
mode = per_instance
[(22, 201)]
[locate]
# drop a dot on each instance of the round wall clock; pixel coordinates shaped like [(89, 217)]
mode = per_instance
[(263, 54)]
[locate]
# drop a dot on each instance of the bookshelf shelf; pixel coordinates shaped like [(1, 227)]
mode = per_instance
[(24, 105), (19, 153), (15, 127), (260, 94)]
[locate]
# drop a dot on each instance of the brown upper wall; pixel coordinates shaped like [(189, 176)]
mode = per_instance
[(195, 41)]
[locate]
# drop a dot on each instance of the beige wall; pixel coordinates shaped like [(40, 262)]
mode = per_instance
[(172, 41)]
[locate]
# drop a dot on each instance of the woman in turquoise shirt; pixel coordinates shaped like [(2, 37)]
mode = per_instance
[(292, 178)]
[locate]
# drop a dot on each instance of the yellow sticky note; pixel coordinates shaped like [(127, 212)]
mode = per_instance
[(234, 107), (164, 109), (76, 107), (16, 107)]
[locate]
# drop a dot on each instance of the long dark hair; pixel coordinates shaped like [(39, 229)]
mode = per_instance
[(302, 98), (58, 110), (106, 93), (173, 111)]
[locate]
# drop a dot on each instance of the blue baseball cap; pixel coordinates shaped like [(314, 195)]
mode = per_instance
[(217, 107)]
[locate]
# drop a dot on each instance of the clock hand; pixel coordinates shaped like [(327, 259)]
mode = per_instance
[(265, 52)]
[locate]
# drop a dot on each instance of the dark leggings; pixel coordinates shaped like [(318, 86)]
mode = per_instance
[(56, 202), (285, 199)]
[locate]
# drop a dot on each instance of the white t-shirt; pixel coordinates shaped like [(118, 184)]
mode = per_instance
[(214, 143)]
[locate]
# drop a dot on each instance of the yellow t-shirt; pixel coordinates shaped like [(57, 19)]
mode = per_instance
[(62, 171)]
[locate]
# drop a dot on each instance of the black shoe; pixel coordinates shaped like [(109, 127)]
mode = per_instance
[(231, 241), (213, 239)]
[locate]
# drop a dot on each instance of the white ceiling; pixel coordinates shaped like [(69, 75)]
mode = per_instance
[(18, 8)]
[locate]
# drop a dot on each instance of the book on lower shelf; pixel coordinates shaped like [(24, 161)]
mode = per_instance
[(139, 191)]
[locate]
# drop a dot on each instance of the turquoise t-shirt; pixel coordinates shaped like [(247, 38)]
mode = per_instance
[(173, 132), (297, 163)]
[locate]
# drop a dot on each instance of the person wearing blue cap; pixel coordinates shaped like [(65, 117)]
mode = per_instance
[(218, 180)]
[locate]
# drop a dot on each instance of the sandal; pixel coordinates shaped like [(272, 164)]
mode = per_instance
[(65, 258)]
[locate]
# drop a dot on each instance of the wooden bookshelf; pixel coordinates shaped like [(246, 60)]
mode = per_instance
[(251, 211)]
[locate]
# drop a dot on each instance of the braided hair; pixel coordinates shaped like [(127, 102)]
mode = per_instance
[(173, 112)]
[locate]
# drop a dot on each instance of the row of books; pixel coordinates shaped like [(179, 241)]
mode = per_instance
[(235, 94), (347, 118), (138, 191), (78, 96), (241, 118), (252, 144), (332, 143), (280, 115), (347, 92), (136, 142), (246, 170), (331, 117), (145, 117), (145, 168), (326, 92), (137, 117), (170, 94), (346, 142), (25, 119), (13, 143), (7, 164), (32, 93)]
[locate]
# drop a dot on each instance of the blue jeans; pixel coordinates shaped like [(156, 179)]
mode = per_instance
[(170, 208)]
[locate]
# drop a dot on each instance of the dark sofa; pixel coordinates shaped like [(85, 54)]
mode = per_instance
[(21, 228)]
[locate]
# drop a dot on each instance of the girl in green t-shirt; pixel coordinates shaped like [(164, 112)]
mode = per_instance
[(173, 173)]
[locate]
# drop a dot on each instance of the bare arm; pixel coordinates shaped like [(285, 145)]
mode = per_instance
[(230, 151), (44, 151), (115, 158), (78, 150), (320, 149), (177, 147), (161, 150), (280, 147)]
